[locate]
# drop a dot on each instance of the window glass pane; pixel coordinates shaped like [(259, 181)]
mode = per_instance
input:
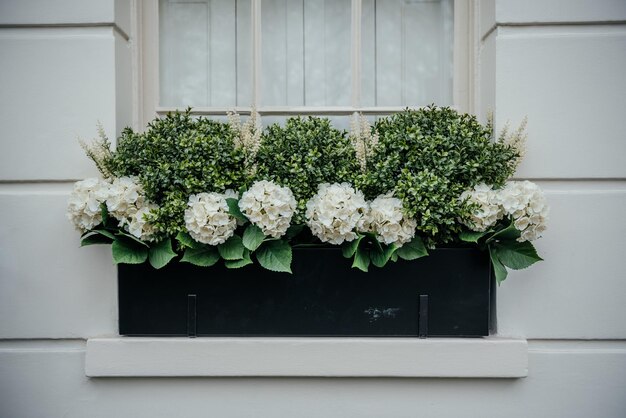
[(305, 52), (205, 52), (407, 48)]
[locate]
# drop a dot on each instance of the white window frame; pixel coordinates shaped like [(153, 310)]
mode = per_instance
[(146, 53)]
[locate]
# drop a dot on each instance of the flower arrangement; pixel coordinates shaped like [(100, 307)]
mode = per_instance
[(200, 191)]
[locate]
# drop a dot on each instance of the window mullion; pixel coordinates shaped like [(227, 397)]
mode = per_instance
[(256, 53), (355, 53)]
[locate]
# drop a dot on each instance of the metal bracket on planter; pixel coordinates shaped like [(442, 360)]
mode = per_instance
[(191, 316), (422, 319)]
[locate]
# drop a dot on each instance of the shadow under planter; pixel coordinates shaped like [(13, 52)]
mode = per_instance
[(447, 294)]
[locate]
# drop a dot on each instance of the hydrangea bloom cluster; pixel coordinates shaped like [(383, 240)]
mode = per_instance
[(207, 218), (526, 204), (522, 201), (488, 211), (386, 219), (269, 206), (125, 199), (83, 206), (335, 212), (139, 226)]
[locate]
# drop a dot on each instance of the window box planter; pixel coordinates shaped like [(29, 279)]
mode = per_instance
[(447, 294)]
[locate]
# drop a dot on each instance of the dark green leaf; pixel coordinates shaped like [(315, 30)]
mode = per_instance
[(412, 250), (349, 248), (235, 264), (509, 233), (186, 241), (516, 255), (293, 230), (275, 256), (95, 239), (233, 209), (361, 259), (161, 253), (498, 267), (128, 251), (104, 212), (380, 258), (125, 234), (472, 236), (253, 237), (232, 249), (203, 256)]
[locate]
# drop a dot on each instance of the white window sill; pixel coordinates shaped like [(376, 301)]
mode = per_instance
[(492, 357)]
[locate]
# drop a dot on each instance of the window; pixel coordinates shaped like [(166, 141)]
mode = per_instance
[(327, 57)]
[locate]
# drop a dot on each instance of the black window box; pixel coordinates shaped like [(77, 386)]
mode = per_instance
[(447, 294)]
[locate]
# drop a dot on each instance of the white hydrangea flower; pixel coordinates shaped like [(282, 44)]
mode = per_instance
[(139, 226), (386, 219), (207, 218), (125, 199), (83, 206), (336, 212), (489, 210), (525, 202), (269, 206)]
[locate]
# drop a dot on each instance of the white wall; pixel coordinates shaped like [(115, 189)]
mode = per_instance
[(559, 62)]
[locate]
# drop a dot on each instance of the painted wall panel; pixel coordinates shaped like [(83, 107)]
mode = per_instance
[(578, 291), (560, 10), (570, 382), (59, 84), (34, 12), (49, 287), (570, 83)]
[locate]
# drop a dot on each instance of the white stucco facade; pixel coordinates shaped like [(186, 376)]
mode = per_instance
[(67, 64)]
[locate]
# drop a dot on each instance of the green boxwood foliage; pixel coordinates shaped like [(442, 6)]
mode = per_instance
[(428, 157), (303, 154), (178, 156)]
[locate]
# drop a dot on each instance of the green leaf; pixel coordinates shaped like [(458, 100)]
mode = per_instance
[(275, 256), (394, 256), (232, 249), (203, 256), (472, 236), (293, 230), (253, 237), (121, 233), (361, 259), (516, 255), (349, 248), (186, 241), (104, 212), (371, 237), (380, 258), (498, 267), (510, 233), (128, 251), (161, 253), (412, 250), (94, 239), (235, 264), (233, 209)]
